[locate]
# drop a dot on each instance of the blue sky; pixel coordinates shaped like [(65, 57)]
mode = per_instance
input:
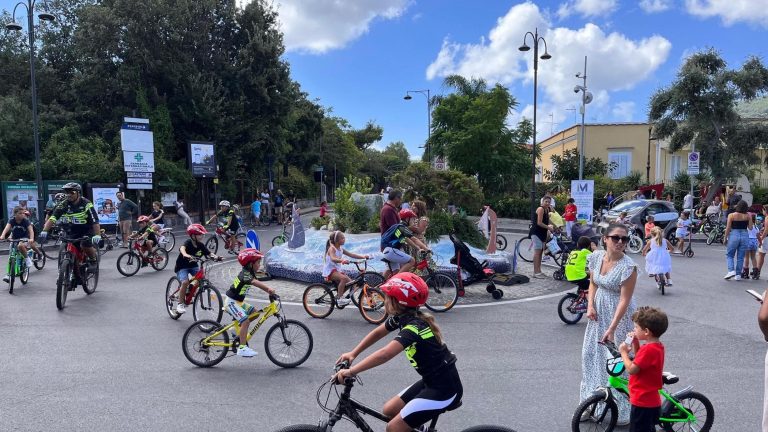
[(360, 56)]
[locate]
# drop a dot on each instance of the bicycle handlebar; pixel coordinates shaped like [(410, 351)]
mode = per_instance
[(611, 347)]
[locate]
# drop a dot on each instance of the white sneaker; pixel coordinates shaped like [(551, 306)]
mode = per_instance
[(540, 276), (729, 275), (737, 278), (29, 262), (180, 308), (246, 351), (669, 282), (343, 301), (6, 278)]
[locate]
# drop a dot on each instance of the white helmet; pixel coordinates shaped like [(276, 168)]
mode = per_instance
[(224, 203)]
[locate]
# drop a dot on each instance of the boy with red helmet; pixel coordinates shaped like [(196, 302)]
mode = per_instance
[(186, 263), (146, 232), (420, 338), (235, 304), (392, 243)]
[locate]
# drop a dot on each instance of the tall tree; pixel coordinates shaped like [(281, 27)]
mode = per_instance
[(565, 167), (699, 108), (367, 136)]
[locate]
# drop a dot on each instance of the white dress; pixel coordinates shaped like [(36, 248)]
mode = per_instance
[(658, 260)]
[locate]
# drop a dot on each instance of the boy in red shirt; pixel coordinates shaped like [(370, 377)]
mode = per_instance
[(649, 224), (569, 216), (645, 371)]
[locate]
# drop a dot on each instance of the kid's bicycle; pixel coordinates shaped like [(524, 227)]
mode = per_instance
[(443, 291), (282, 237), (351, 410), (129, 263), (320, 299), (74, 269), (684, 410), (220, 234), (17, 263), (288, 343), (166, 239), (205, 298), (572, 306)]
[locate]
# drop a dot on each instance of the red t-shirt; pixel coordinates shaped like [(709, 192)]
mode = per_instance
[(570, 213), (389, 216), (644, 386)]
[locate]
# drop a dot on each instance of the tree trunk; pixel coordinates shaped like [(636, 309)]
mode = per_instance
[(717, 183)]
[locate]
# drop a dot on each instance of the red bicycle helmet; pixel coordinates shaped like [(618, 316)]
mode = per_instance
[(406, 214), (143, 219), (196, 229), (407, 288), (27, 213), (249, 255)]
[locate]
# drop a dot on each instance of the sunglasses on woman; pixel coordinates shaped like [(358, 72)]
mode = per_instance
[(618, 238)]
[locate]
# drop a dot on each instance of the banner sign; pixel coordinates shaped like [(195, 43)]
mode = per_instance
[(693, 163), (168, 199), (105, 199), (583, 193), (202, 160), (139, 161), (22, 194)]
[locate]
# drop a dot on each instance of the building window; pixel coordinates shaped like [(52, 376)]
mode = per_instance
[(675, 165), (622, 163)]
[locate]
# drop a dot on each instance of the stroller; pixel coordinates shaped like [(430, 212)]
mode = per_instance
[(561, 257), (477, 271)]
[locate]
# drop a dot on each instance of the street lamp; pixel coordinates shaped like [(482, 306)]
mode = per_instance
[(15, 26), (429, 117), (648, 163), (524, 47), (586, 97)]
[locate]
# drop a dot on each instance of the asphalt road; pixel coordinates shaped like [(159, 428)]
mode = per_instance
[(113, 360)]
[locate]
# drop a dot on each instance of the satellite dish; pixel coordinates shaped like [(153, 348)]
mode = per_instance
[(588, 98)]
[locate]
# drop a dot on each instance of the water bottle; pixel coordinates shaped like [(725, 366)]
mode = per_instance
[(628, 340)]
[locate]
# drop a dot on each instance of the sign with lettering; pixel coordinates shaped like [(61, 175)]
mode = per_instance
[(583, 193)]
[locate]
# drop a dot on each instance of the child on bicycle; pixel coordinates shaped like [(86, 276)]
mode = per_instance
[(19, 227), (657, 258), (146, 232), (645, 371), (332, 270), (576, 266), (235, 304), (392, 243), (419, 336), (186, 264), (623, 219), (227, 218), (156, 217)]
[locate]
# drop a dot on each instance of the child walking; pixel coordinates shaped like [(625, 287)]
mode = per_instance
[(657, 258), (570, 216), (751, 252), (331, 264), (645, 372), (576, 267)]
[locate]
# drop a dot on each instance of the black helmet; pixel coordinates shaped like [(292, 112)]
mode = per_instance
[(72, 186), (59, 197)]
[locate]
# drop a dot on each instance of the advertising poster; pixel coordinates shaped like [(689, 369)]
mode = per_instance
[(202, 160), (105, 201), (22, 194), (583, 193), (168, 199)]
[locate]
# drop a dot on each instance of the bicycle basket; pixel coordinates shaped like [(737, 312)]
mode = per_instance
[(614, 366)]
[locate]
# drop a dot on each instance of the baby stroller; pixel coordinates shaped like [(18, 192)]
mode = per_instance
[(561, 257), (477, 271)]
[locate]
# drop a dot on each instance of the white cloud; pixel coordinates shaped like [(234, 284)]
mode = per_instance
[(623, 111), (587, 8), (318, 26), (731, 11), (615, 62), (654, 6)]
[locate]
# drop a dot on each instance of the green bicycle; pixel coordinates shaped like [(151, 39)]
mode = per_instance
[(684, 410), (17, 265)]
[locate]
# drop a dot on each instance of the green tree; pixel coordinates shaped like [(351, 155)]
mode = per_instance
[(699, 108), (469, 127), (565, 167), (367, 136), (440, 188)]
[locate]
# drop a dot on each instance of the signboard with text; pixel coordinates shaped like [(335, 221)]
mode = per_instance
[(583, 193), (693, 163), (22, 194), (139, 161), (202, 159)]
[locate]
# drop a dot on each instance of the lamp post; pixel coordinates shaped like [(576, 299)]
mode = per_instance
[(524, 47), (648, 162), (429, 117), (586, 97), (15, 26)]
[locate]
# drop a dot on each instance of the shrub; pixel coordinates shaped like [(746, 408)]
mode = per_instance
[(350, 215), (442, 223), (319, 222), (516, 208)]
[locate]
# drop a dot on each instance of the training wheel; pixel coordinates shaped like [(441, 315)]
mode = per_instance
[(558, 275), (490, 288), (497, 294)]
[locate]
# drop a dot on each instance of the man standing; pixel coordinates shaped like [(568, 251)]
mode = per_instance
[(688, 201), (127, 210), (389, 211)]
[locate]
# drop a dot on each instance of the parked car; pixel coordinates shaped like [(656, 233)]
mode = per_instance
[(663, 212)]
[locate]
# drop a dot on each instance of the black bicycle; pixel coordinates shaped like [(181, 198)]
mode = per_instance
[(74, 269), (320, 299), (350, 409)]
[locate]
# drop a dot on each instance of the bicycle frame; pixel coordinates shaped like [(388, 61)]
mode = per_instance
[(272, 309), (622, 385)]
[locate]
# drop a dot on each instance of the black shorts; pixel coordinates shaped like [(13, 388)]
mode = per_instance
[(423, 403), (643, 419), (583, 284)]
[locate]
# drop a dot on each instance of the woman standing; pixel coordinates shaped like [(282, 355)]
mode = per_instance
[(419, 225), (610, 307), (540, 229), (737, 239)]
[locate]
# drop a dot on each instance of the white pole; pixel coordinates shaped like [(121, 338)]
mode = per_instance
[(583, 129)]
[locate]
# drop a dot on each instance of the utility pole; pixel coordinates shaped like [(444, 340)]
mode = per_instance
[(584, 103)]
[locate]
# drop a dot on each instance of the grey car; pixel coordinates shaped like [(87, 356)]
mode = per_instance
[(663, 212)]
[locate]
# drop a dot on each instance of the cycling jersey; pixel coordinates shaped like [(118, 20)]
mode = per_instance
[(19, 229), (241, 285), (576, 266), (228, 218), (197, 250), (149, 228), (395, 236), (77, 218), (429, 357)]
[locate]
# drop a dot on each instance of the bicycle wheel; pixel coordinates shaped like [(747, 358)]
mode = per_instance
[(208, 304), (158, 258), (301, 428), (129, 263), (661, 283), (598, 414), (373, 279), (11, 273), (24, 275), (265, 220), (525, 249), (635, 244), (565, 309), (277, 241), (62, 283), (239, 243), (487, 428), (443, 293), (501, 242), (91, 277), (712, 236), (170, 241), (318, 300), (288, 343), (212, 244), (371, 306), (699, 406), (197, 345), (39, 260), (171, 297)]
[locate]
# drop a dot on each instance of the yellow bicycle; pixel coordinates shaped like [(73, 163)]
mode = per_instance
[(288, 343)]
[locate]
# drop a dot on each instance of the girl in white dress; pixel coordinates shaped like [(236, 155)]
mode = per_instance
[(657, 258), (332, 261)]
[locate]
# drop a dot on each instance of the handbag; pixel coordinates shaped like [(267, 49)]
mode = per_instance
[(552, 246)]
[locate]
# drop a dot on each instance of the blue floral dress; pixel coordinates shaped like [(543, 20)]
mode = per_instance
[(594, 356)]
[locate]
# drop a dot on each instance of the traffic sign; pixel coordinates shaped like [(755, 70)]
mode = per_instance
[(693, 163), (134, 180)]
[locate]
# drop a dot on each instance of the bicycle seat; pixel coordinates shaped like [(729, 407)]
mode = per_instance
[(451, 407), (669, 378), (386, 261)]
